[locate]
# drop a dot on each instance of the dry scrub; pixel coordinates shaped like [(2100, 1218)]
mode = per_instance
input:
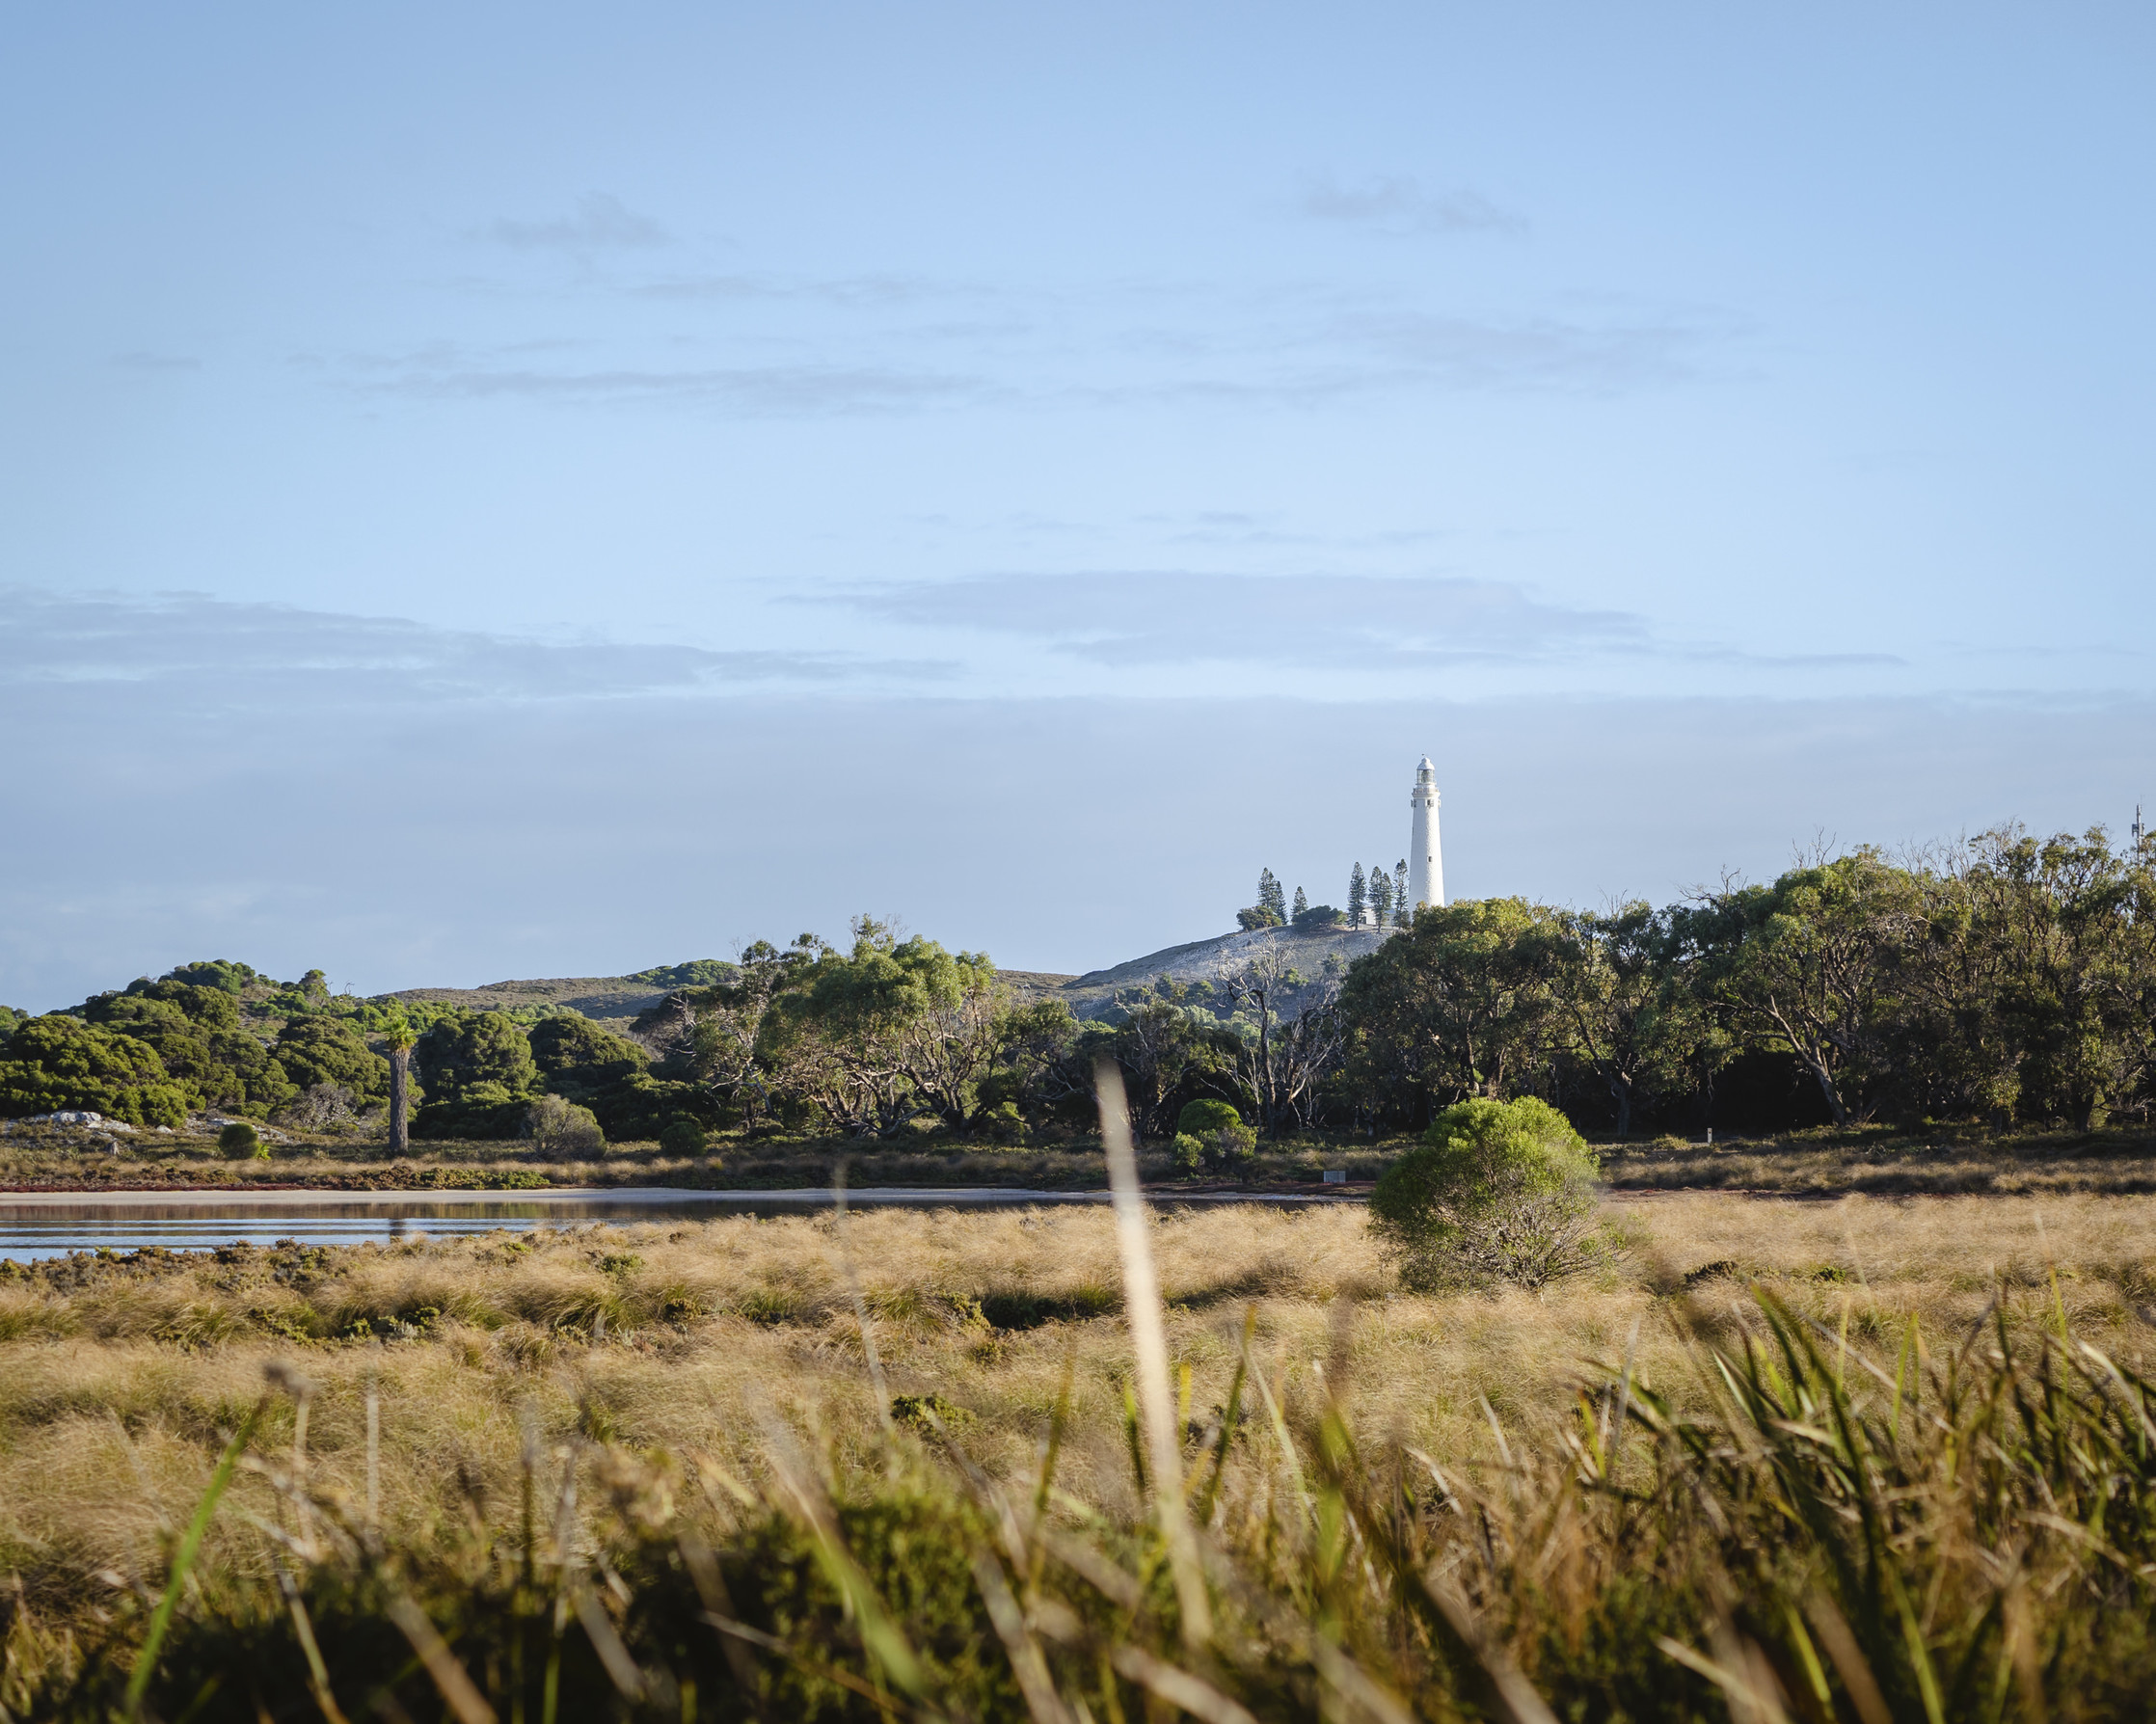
[(695, 1343), (115, 1373)]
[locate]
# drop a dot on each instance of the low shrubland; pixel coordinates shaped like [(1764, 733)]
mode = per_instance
[(1850, 1460)]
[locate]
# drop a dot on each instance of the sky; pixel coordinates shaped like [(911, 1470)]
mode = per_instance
[(524, 491)]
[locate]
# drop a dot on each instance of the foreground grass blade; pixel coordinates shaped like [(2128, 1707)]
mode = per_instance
[(1148, 1340), (449, 1677), (183, 1558)]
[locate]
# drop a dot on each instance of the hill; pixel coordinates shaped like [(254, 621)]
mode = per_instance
[(1308, 950), (612, 1000), (617, 1000)]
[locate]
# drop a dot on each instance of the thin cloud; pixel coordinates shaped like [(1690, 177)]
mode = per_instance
[(1127, 618), (1397, 205), (205, 652), (602, 222), (860, 291), (803, 390), (1360, 351), (143, 360)]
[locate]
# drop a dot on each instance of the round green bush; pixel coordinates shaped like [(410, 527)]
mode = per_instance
[(1226, 1143), (1202, 1118), (1495, 1192), (683, 1136), (560, 1130), (241, 1142)]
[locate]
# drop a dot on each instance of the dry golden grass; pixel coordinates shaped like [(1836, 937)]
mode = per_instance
[(116, 1375)]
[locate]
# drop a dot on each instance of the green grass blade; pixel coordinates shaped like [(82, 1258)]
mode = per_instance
[(183, 1560)]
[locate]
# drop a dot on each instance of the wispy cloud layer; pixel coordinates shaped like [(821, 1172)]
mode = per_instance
[(1395, 204), (602, 222), (1036, 359), (1135, 617), (751, 392), (205, 653)]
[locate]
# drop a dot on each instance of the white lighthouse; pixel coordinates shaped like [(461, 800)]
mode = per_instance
[(1425, 862)]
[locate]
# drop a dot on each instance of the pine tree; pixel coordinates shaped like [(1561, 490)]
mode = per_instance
[(1302, 904), (1403, 912), (1359, 897), (1381, 897), (1270, 897)]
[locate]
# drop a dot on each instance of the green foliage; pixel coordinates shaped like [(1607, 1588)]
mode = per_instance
[(698, 972), (1381, 897), (329, 1050), (562, 1131), (478, 1073), (199, 1034), (888, 1032), (1455, 1005), (572, 1053), (1167, 1047), (1002, 1121), (1271, 897), (485, 1048), (1317, 915), (683, 1136), (1496, 1191), (1206, 1116), (1258, 916), (58, 1065), (217, 973), (241, 1142), (1210, 1135)]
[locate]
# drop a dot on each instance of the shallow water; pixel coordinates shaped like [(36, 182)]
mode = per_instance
[(40, 1225)]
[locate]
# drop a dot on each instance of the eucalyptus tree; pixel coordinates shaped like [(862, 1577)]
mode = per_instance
[(1626, 1013), (886, 1032), (1293, 1038), (1815, 965), (1457, 1005)]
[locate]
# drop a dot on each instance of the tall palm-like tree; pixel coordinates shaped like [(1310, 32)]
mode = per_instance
[(400, 1035)]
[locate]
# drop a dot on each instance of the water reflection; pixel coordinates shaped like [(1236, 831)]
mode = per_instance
[(33, 1225)]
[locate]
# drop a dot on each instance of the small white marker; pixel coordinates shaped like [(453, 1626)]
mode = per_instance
[(1335, 1175)]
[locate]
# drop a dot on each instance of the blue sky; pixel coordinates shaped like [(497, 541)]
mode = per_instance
[(543, 491)]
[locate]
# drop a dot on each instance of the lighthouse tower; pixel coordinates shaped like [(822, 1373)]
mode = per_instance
[(1425, 862)]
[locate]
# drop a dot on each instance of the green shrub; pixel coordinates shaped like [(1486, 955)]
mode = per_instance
[(241, 1142), (1495, 1192), (326, 1050), (58, 1065), (1003, 1123), (1225, 1142), (1201, 1118), (560, 1130), (683, 1136), (1188, 1154)]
